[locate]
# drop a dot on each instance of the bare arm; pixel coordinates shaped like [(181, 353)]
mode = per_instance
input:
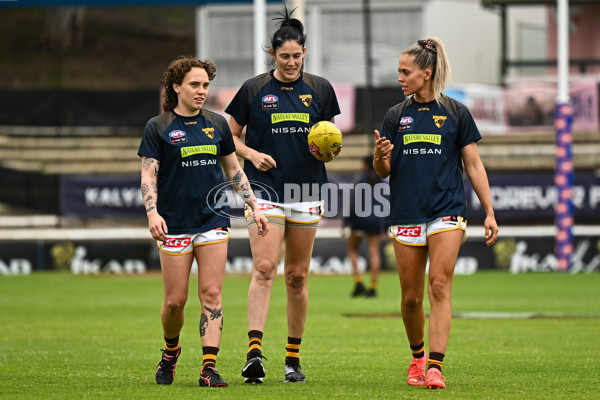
[(262, 162), (240, 183), (382, 156), (157, 225), (478, 177)]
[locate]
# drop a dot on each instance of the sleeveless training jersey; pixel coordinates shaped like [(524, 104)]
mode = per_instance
[(426, 167), (278, 116), (188, 149)]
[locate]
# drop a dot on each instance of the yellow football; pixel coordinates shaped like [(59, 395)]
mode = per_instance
[(324, 137)]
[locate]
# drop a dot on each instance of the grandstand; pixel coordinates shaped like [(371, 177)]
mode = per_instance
[(103, 150)]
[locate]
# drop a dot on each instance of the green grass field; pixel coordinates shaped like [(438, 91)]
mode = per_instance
[(80, 337)]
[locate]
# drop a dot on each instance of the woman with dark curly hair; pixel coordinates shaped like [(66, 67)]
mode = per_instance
[(184, 152)]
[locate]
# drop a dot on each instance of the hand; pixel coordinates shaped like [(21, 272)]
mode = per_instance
[(262, 224), (263, 162), (326, 157), (346, 231), (158, 226), (383, 147), (491, 230)]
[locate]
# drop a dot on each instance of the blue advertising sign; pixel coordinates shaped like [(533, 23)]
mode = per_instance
[(93, 196), (532, 198)]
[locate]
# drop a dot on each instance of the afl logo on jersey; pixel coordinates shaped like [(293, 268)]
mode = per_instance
[(178, 136), (405, 123), (270, 101)]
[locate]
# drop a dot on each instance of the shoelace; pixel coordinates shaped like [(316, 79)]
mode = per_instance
[(437, 375), (254, 355), (419, 370), (167, 361)]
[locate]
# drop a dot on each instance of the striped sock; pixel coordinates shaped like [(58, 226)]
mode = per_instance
[(209, 357), (171, 345), (418, 351), (293, 348), (255, 342), (436, 360)]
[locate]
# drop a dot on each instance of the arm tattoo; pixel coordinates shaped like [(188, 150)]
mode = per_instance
[(149, 189), (246, 193), (147, 163), (149, 200), (144, 190), (203, 324), (237, 178)]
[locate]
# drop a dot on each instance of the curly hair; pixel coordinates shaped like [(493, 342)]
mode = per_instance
[(175, 73)]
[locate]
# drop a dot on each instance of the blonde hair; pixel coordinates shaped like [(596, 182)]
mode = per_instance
[(430, 54)]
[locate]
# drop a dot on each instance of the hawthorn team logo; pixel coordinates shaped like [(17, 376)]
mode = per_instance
[(210, 132), (306, 99), (439, 120)]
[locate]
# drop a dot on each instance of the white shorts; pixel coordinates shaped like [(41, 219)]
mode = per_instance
[(417, 234), (183, 244), (305, 214)]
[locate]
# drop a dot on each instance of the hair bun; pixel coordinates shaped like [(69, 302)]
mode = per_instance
[(292, 22)]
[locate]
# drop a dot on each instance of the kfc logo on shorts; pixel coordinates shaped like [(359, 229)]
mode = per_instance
[(409, 231), (177, 243)]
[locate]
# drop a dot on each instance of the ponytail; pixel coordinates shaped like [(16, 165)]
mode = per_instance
[(430, 54)]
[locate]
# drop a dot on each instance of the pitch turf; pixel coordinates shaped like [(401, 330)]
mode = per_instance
[(99, 337)]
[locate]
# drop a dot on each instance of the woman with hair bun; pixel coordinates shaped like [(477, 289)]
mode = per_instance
[(278, 109), (423, 145)]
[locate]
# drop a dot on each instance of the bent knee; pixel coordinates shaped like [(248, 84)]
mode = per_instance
[(174, 304), (211, 296), (265, 270), (412, 300), (439, 290), (296, 279)]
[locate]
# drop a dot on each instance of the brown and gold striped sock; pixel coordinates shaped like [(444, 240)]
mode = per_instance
[(255, 342), (293, 348), (171, 345), (418, 351), (436, 360), (209, 357)]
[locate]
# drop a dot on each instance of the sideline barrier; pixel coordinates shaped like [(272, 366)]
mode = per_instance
[(132, 251)]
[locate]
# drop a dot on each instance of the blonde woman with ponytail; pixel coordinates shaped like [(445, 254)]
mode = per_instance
[(424, 145)]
